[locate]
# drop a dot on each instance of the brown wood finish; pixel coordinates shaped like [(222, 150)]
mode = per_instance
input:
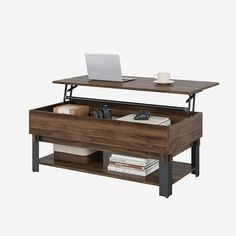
[(105, 148), (99, 168), (144, 84), (109, 133), (184, 133), (119, 137)]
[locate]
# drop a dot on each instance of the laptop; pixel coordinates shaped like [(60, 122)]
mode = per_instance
[(105, 67)]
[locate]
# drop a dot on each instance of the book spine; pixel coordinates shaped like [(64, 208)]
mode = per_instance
[(156, 165), (152, 169), (126, 171), (138, 159), (128, 161), (119, 164)]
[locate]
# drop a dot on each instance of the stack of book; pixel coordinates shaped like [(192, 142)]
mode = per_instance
[(132, 165)]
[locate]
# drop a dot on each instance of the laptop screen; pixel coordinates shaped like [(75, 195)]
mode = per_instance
[(103, 67)]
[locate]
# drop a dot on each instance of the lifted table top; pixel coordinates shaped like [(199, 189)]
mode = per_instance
[(188, 87)]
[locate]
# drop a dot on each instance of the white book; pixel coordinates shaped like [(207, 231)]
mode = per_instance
[(153, 120), (166, 123), (131, 160), (72, 150), (134, 172)]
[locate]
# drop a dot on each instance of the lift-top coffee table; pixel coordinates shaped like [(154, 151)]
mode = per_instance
[(121, 137)]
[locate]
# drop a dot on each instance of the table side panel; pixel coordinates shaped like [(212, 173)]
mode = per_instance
[(184, 133), (107, 133)]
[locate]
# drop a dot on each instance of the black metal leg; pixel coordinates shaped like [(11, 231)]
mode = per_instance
[(165, 176), (195, 158), (35, 153)]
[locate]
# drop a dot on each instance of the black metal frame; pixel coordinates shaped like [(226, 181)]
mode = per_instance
[(35, 153), (195, 158), (188, 110), (189, 101), (165, 168), (165, 176), (70, 90)]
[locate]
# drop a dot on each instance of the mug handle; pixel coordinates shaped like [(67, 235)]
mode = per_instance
[(155, 76)]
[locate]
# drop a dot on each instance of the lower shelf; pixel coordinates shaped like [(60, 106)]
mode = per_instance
[(99, 167)]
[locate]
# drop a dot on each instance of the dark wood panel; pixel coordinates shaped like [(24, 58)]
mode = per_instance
[(102, 147), (99, 168), (184, 133), (48, 108), (143, 84), (110, 133), (152, 140)]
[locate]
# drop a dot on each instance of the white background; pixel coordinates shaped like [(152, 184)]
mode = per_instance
[(43, 41)]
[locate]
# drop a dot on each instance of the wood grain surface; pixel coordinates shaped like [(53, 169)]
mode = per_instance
[(109, 133), (120, 137), (144, 84), (184, 133)]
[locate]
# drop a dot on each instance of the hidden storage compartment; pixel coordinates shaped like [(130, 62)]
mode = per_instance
[(122, 137), (119, 110)]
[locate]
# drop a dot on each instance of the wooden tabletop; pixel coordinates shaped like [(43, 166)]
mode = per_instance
[(144, 84)]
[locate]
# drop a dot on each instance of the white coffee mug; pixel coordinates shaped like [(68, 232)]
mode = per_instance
[(162, 77)]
